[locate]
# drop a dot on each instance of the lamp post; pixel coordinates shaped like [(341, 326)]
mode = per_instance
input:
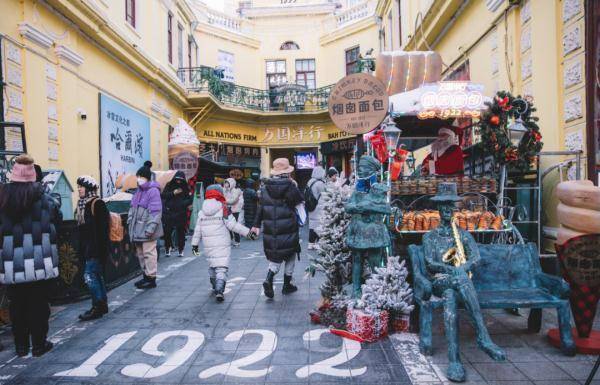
[(391, 134), (517, 129)]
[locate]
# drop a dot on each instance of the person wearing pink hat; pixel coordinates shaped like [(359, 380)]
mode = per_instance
[(29, 257)]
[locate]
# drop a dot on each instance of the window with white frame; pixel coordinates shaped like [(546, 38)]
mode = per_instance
[(226, 61), (276, 74), (130, 12), (305, 73)]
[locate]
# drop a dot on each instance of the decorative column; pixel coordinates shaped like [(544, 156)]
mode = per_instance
[(573, 77)]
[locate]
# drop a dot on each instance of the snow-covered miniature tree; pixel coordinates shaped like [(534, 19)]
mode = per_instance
[(387, 289), (333, 256)]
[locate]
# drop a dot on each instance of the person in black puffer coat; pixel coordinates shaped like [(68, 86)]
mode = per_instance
[(29, 221), (250, 203), (277, 213), (176, 199), (93, 220)]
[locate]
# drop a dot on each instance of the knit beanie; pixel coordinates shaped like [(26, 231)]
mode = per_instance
[(217, 187), (23, 170), (144, 172), (88, 182)]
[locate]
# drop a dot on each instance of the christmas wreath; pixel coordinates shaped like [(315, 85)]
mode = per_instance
[(504, 111)]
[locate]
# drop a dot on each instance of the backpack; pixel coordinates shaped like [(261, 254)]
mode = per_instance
[(116, 232), (310, 201)]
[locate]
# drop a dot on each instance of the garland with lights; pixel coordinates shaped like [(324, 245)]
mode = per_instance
[(504, 114)]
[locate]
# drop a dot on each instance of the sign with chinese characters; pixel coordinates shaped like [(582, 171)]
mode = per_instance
[(252, 135), (124, 142), (186, 162), (358, 103), (452, 100)]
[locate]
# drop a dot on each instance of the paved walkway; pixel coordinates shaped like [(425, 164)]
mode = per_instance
[(178, 334)]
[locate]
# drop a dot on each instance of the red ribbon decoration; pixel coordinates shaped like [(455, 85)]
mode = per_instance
[(378, 144), (398, 162)]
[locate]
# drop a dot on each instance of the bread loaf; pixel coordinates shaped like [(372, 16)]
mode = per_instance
[(579, 219), (579, 193)]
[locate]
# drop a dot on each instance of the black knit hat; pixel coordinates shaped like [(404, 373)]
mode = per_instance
[(144, 172)]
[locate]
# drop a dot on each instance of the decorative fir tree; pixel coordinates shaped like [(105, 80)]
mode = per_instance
[(333, 256), (387, 289)]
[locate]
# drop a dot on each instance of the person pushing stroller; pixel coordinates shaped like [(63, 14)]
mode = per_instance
[(212, 228)]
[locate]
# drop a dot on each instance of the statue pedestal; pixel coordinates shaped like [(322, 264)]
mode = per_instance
[(589, 345)]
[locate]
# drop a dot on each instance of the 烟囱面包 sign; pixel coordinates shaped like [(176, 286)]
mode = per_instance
[(124, 142)]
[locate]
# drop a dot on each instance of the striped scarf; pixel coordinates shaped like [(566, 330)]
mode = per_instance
[(80, 213)]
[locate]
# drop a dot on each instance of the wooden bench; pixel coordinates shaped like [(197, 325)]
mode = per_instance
[(506, 277)]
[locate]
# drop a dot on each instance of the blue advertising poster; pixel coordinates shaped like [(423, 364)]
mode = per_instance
[(124, 142)]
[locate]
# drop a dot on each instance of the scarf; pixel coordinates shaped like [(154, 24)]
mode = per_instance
[(217, 195), (80, 213)]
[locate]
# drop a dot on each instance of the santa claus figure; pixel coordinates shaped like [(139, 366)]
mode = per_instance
[(446, 157)]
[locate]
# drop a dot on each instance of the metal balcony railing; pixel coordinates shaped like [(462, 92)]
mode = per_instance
[(286, 98)]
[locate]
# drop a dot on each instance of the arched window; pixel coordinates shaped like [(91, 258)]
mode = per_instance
[(289, 45)]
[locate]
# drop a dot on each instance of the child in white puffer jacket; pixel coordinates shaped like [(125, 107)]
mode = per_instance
[(212, 227)]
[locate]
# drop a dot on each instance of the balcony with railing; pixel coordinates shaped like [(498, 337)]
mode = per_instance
[(288, 98)]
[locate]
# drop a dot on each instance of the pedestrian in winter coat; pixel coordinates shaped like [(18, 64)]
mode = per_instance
[(235, 202), (93, 221), (316, 185), (277, 213), (250, 203), (145, 228), (176, 199), (29, 222), (212, 228)]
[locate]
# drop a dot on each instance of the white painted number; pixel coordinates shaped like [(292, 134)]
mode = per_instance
[(266, 348), (328, 366), (88, 368), (194, 340), (173, 361)]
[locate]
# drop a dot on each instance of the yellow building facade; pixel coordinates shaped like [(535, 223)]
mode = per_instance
[(59, 56), (158, 59)]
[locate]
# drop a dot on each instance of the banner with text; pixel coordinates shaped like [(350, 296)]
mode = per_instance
[(124, 142)]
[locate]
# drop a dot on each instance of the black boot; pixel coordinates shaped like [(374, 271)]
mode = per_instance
[(268, 285), (213, 281), (38, 351), (150, 283), (141, 282), (103, 306), (219, 289), (92, 314), (288, 288), (22, 350)]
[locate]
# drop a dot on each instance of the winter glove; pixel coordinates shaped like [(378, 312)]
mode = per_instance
[(252, 236), (195, 250)]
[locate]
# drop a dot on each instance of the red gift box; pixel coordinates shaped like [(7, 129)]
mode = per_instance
[(399, 323), (367, 326)]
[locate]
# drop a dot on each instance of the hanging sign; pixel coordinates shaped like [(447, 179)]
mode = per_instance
[(358, 103), (452, 100)]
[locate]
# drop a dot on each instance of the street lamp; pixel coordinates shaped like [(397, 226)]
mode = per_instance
[(391, 135), (517, 129)]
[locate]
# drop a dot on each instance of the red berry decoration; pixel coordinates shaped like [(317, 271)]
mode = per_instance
[(495, 120)]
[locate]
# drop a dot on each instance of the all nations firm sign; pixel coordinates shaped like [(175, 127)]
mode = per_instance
[(358, 103)]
